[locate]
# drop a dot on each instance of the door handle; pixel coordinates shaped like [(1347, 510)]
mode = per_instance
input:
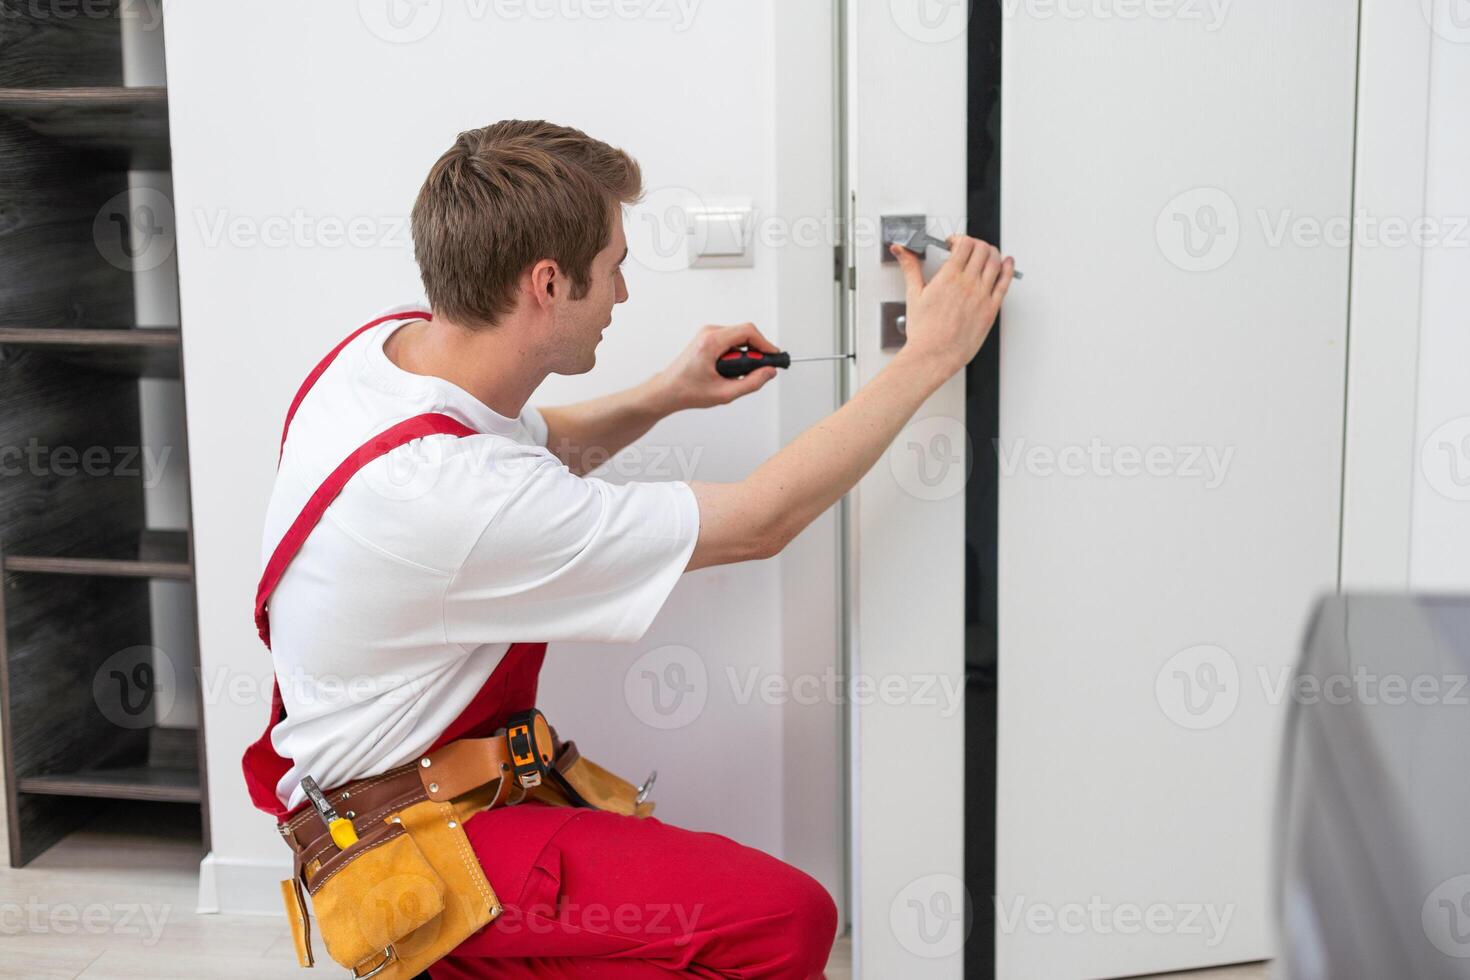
[(899, 229), (909, 230)]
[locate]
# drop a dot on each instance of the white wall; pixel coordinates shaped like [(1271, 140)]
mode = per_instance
[(1440, 536), (813, 803), (299, 119)]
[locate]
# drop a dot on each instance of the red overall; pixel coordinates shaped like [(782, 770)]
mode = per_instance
[(586, 893)]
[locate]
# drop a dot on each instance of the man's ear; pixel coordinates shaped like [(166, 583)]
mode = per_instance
[(545, 281)]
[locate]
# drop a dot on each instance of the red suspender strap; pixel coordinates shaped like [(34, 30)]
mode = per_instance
[(404, 432), (328, 491), (325, 362), (264, 768)]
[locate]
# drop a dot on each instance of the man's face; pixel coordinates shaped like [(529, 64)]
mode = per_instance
[(580, 323)]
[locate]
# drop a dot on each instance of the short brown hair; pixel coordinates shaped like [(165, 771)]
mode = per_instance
[(506, 196)]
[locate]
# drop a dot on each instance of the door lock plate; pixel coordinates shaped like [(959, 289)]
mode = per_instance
[(897, 228), (891, 318)]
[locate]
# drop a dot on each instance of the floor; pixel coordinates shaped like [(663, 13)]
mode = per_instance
[(119, 903)]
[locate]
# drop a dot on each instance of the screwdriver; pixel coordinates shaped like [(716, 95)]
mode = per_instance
[(344, 834), (740, 361)]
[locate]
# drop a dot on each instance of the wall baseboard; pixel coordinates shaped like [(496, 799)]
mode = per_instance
[(241, 887)]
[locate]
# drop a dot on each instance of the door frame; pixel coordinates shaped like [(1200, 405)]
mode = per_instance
[(1380, 441)]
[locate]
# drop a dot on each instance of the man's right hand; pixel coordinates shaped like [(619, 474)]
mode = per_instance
[(949, 317)]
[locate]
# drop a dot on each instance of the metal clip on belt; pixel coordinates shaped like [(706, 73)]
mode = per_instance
[(390, 956), (529, 737), (525, 754)]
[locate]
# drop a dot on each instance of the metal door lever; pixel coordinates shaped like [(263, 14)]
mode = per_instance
[(909, 231), (918, 241)]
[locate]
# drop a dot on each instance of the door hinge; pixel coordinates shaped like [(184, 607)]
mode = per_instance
[(841, 271)]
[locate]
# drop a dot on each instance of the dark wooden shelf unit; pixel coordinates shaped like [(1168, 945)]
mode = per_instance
[(168, 774), (80, 666), (151, 554), (124, 783), (126, 127), (144, 352)]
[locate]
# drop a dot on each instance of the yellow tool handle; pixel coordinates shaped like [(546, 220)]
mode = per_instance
[(344, 835)]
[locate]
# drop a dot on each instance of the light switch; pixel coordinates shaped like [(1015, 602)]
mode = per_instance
[(720, 237), (720, 233)]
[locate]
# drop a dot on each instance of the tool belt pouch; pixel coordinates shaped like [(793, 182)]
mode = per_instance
[(411, 889), (402, 897)]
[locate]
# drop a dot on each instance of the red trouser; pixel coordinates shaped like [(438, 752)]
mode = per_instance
[(590, 894)]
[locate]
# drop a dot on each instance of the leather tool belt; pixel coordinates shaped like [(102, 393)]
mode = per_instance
[(410, 889)]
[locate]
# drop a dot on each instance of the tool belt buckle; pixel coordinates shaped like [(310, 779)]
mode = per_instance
[(390, 956), (528, 737)]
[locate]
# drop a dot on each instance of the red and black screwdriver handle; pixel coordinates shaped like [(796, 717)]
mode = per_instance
[(737, 362)]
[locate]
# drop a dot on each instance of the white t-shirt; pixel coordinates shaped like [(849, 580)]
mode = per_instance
[(435, 558)]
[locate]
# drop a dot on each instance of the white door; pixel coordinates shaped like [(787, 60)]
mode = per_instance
[(1176, 178), (905, 143)]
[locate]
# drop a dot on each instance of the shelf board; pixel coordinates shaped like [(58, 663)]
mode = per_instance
[(144, 352), (157, 554), (155, 783), (128, 125)]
